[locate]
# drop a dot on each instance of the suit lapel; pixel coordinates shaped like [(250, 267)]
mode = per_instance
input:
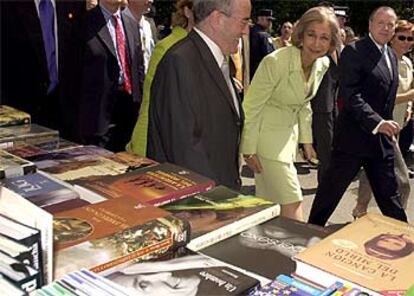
[(131, 35), (99, 25), (211, 65), (373, 53)]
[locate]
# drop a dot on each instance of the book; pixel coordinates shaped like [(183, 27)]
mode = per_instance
[(21, 275), (21, 242), (113, 232), (182, 273), (18, 208), (219, 213), (11, 165), (132, 161), (11, 116), (379, 258), (155, 185), (40, 189), (266, 249), (26, 134), (8, 289), (25, 150)]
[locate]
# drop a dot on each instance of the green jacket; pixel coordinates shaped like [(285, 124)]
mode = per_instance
[(138, 142), (277, 108)]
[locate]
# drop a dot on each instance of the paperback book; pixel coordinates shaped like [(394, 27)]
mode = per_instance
[(267, 249), (11, 116), (155, 185), (11, 165), (379, 258), (219, 213), (182, 273), (26, 134), (113, 232)]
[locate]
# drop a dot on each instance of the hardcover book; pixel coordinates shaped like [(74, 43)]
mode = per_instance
[(182, 273), (113, 232), (374, 252), (220, 213), (11, 165), (26, 134), (11, 116), (156, 185), (40, 189), (267, 249), (20, 209)]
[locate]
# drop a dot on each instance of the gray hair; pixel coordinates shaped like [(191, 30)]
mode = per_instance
[(381, 8), (203, 8)]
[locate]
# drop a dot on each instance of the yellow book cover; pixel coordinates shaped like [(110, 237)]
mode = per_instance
[(374, 252)]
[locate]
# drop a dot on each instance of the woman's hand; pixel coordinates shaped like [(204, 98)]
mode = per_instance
[(253, 162), (308, 152)]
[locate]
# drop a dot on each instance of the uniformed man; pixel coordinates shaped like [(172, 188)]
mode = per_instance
[(261, 42)]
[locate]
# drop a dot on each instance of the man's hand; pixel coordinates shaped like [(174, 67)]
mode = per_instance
[(389, 128), (253, 162)]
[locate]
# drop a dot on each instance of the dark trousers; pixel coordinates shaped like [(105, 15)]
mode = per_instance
[(342, 169), (322, 129)]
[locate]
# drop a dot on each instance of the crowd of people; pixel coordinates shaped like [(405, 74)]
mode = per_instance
[(219, 86)]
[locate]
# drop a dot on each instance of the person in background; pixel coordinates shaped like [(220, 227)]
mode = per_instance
[(195, 116), (285, 35), (350, 35), (260, 40), (401, 43), (36, 58), (278, 112), (183, 22), (341, 13), (107, 88), (365, 132)]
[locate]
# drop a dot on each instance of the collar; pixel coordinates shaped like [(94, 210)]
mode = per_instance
[(214, 48), (107, 14), (379, 46)]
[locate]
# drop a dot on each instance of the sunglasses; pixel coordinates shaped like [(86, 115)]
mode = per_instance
[(403, 38)]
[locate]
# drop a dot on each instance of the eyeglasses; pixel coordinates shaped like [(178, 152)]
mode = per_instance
[(403, 38)]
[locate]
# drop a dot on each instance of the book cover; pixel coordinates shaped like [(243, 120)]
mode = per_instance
[(156, 185), (26, 134), (374, 252), (22, 210), (40, 189), (266, 249), (182, 273), (132, 161), (21, 242), (11, 116), (25, 150), (11, 165), (23, 276), (220, 213), (113, 232)]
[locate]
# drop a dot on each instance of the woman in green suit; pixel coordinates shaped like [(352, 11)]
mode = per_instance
[(183, 22), (278, 112)]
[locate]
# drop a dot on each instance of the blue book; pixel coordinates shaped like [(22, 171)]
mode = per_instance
[(300, 285), (40, 189)]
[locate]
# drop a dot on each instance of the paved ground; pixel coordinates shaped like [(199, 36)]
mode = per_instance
[(307, 176)]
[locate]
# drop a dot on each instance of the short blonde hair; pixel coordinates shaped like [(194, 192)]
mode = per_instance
[(320, 15), (403, 25)]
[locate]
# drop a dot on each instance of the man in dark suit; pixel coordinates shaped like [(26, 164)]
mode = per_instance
[(108, 89), (261, 42), (36, 39), (365, 130), (195, 116)]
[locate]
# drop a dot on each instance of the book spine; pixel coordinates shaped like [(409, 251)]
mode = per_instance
[(229, 230), (181, 194), (306, 288)]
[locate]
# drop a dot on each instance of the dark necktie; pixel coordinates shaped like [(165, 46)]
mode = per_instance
[(226, 73), (122, 54), (47, 22)]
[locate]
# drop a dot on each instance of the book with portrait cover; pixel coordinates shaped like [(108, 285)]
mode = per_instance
[(26, 134), (267, 249), (219, 213), (155, 185), (11, 116), (182, 273), (40, 189), (374, 252), (113, 232), (11, 165)]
